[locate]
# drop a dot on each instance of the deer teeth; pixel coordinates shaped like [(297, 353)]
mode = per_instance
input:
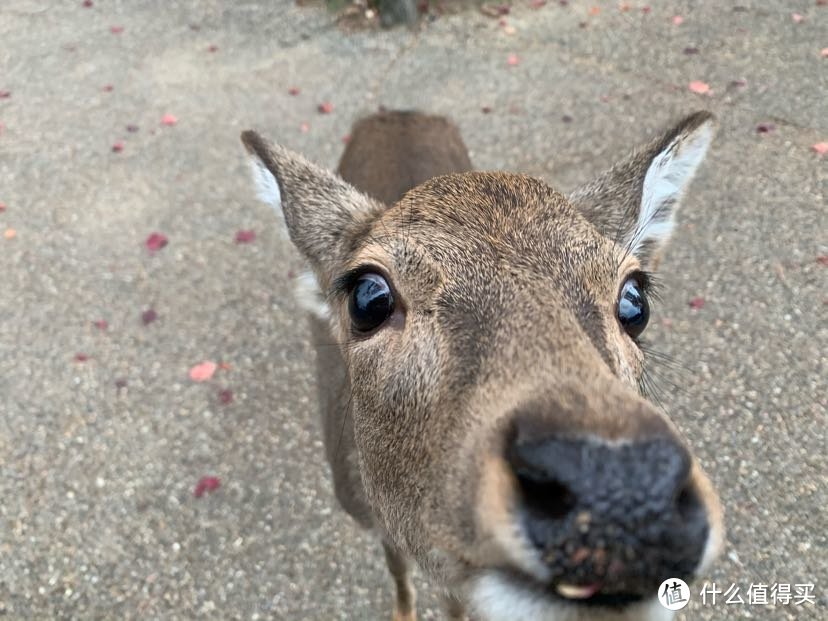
[(572, 591)]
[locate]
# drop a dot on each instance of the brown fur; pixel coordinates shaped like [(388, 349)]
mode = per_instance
[(391, 152), (505, 292)]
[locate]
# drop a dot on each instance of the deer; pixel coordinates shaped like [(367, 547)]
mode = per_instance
[(479, 362)]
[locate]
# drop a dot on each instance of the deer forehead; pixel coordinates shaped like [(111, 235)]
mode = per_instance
[(485, 226), (495, 261)]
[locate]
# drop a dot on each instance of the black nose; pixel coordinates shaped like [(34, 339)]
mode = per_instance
[(623, 515)]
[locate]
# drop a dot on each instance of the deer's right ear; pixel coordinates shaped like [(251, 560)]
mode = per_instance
[(319, 208), (634, 203)]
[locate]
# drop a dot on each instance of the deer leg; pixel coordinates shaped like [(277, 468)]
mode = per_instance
[(406, 596), (455, 611)]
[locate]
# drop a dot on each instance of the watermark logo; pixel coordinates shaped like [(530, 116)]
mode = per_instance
[(674, 594)]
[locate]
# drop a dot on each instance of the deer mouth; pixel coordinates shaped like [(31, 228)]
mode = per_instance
[(592, 595)]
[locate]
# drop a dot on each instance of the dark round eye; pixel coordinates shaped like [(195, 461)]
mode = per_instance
[(371, 302), (633, 308)]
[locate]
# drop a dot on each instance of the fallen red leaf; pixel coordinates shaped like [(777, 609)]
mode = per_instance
[(87, 3), (293, 91), (81, 357), (624, 7), (206, 484), (5, 94), (678, 20), (820, 148), (225, 396), (107, 88), (594, 10), (156, 241), (824, 52), (823, 259), (765, 128), (696, 303), (245, 236), (536, 4), (212, 48), (118, 147), (304, 128), (10, 233), (148, 316), (646, 9), (512, 60), (101, 324), (203, 371), (699, 87), (169, 120), (325, 107), (2, 207), (797, 18), (116, 29), (346, 138)]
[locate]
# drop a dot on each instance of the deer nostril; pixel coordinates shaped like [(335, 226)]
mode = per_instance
[(687, 503), (548, 498)]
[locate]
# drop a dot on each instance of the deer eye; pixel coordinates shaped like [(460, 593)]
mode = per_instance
[(633, 307), (371, 302)]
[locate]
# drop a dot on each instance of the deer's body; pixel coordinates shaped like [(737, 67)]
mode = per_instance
[(481, 411)]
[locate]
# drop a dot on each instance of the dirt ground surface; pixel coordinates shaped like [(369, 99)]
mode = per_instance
[(104, 436)]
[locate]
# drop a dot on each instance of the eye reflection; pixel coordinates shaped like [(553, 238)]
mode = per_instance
[(371, 302), (633, 308)]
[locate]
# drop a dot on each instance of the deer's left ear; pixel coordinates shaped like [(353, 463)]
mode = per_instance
[(320, 210), (634, 203)]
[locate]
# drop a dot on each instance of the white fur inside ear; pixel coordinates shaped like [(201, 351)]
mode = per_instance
[(267, 188), (667, 178), (310, 297)]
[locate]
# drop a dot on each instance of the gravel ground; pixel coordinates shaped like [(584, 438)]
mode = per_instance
[(103, 435)]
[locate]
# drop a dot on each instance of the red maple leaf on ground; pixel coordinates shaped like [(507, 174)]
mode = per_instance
[(203, 371), (148, 316), (206, 484), (156, 241), (245, 236)]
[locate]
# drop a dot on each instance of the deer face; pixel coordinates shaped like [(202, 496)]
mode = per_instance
[(490, 328)]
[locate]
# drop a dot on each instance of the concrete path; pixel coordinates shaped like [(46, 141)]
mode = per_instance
[(103, 435)]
